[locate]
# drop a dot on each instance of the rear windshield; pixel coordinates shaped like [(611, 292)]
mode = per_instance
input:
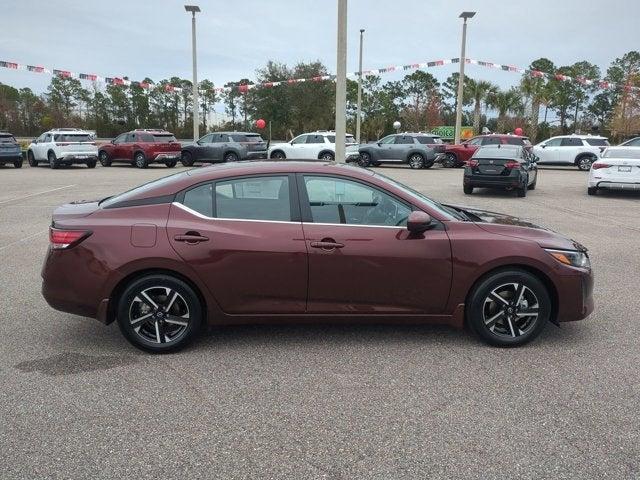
[(597, 142), (73, 137), (134, 192), (622, 153), (495, 152), (7, 139), (348, 138), (164, 137), (517, 141), (429, 140), (242, 138)]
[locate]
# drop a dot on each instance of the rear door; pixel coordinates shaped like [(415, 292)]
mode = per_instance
[(569, 149), (243, 237), (312, 146), (362, 258), (401, 146)]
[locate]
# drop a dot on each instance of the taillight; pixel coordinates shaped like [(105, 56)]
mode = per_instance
[(61, 144), (511, 165), (472, 163), (597, 166), (61, 239)]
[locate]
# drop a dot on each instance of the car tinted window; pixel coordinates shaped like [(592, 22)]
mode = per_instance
[(221, 138), (200, 199), (7, 139), (134, 192), (246, 138), (164, 137), (514, 141), (300, 139), (73, 137), (597, 142), (255, 198), (145, 137), (336, 200), (491, 141), (571, 142), (632, 153), (429, 140), (498, 153), (315, 139), (207, 138), (348, 138), (633, 143), (403, 140)]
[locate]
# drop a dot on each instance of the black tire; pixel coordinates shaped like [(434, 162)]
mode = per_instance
[(31, 159), (278, 155), (327, 156), (140, 160), (584, 162), (171, 163), (92, 164), (522, 191), (364, 159), (103, 156), (17, 164), (159, 330), (449, 160), (415, 161), (186, 159), (230, 157), (500, 322), (592, 190), (467, 189), (533, 184), (428, 165), (53, 161)]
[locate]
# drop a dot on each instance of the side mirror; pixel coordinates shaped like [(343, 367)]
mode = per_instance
[(466, 145), (543, 146), (35, 140), (419, 222), (379, 144)]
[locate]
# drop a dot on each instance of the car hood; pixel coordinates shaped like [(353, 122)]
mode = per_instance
[(279, 144), (510, 226)]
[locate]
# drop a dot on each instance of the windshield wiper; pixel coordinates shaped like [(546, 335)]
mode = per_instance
[(459, 214)]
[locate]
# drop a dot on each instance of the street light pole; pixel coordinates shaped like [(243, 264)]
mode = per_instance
[(463, 15), (341, 83), (359, 109), (196, 111)]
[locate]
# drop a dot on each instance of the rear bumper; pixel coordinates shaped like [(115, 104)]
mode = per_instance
[(575, 296), (78, 158), (167, 157), (492, 181), (10, 157), (256, 155), (615, 185)]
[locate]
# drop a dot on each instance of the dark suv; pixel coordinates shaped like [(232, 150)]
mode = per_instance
[(225, 147), (10, 151), (418, 150), (141, 147)]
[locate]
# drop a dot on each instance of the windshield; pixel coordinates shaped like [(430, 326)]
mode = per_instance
[(134, 192), (7, 139), (444, 211), (164, 137), (597, 142), (633, 153), (73, 137)]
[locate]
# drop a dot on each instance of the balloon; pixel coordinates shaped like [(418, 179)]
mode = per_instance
[(260, 123), (518, 131), (396, 125)]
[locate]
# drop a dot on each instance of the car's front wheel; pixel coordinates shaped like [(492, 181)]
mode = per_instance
[(159, 313), (508, 308), (416, 160), (278, 155), (230, 157), (105, 161), (186, 159), (17, 164), (31, 159), (364, 159)]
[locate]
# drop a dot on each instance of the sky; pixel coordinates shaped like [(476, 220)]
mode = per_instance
[(144, 38)]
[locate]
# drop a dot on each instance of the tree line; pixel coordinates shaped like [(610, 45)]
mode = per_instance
[(419, 101)]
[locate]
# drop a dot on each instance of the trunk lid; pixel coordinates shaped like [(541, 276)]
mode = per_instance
[(68, 211), (494, 166)]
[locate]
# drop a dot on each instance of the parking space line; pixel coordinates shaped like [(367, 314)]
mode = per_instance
[(34, 194), (23, 239)]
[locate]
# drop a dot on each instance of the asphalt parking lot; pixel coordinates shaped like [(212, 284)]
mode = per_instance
[(339, 402)]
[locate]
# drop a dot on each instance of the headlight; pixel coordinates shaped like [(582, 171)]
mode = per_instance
[(573, 258)]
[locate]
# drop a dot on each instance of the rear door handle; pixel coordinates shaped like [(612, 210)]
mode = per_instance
[(191, 238), (327, 245)]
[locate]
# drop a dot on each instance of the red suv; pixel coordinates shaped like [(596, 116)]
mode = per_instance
[(458, 154), (141, 147)]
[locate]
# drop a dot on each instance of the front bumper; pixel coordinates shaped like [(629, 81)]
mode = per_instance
[(575, 295)]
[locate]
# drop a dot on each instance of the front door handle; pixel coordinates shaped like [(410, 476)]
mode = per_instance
[(191, 237), (327, 244)]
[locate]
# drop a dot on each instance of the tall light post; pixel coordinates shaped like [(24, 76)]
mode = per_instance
[(465, 16), (341, 83), (359, 109), (196, 117)]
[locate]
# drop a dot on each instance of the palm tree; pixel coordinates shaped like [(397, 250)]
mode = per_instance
[(479, 91), (506, 102)]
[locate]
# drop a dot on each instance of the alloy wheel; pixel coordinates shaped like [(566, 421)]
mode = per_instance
[(159, 315), (364, 160), (584, 163), (416, 161), (510, 310), (449, 160)]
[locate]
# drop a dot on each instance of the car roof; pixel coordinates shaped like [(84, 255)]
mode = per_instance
[(583, 137), (237, 133), (501, 135), (418, 134)]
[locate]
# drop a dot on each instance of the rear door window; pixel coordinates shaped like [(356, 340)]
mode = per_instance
[(254, 198), (403, 140), (315, 139), (200, 199), (597, 142), (571, 142), (164, 138)]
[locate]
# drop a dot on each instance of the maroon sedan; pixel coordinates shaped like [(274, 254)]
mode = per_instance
[(305, 242)]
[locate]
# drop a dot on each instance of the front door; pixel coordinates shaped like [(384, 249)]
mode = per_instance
[(550, 152), (362, 259), (244, 240)]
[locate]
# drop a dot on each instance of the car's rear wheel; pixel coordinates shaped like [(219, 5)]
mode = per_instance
[(140, 160), (327, 157), (186, 159), (364, 159), (17, 164), (91, 164), (508, 308), (592, 190), (53, 161), (522, 190), (449, 160), (159, 313), (230, 157), (31, 159), (171, 163), (105, 161), (584, 162), (533, 184), (467, 189), (416, 160), (278, 155)]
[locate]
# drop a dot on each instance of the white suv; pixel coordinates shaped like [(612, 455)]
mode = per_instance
[(578, 150), (314, 145), (64, 146)]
